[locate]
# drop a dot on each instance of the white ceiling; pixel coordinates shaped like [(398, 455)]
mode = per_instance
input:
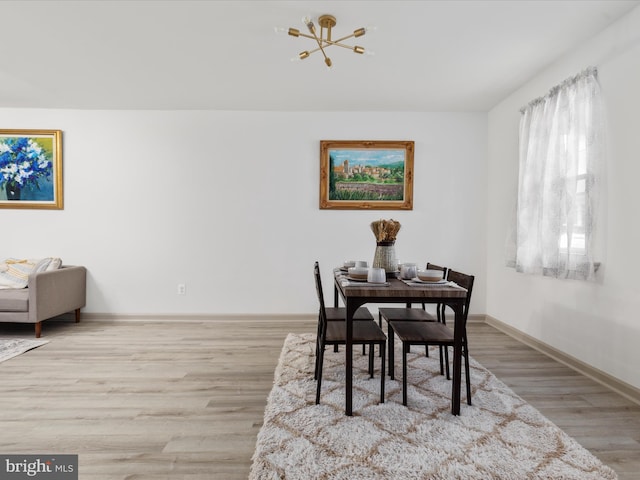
[(224, 55)]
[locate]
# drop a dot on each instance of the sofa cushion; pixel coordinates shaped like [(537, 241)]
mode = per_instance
[(14, 300)]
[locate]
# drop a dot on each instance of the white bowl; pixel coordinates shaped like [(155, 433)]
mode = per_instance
[(349, 263), (358, 272), (430, 275)]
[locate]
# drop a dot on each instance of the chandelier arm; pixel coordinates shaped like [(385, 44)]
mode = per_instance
[(318, 49), (313, 51), (329, 43), (341, 39), (325, 41), (320, 41), (300, 34)]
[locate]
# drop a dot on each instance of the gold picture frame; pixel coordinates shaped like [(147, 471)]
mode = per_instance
[(31, 169), (366, 174)]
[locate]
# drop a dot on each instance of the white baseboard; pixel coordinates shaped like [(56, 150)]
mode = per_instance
[(146, 317), (205, 317), (618, 386)]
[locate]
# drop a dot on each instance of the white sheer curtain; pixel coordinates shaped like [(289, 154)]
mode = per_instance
[(561, 148)]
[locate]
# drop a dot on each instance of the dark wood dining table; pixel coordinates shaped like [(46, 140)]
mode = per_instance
[(355, 294)]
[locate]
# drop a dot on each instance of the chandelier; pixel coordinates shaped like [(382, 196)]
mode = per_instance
[(324, 40)]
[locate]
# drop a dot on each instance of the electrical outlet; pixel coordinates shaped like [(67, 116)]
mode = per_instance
[(182, 289)]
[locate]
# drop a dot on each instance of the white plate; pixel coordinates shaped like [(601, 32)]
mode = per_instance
[(364, 280), (430, 282)]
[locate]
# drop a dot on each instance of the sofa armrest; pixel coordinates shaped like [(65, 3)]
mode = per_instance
[(55, 292)]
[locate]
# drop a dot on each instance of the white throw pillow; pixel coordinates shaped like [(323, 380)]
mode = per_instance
[(54, 264), (45, 264), (40, 265)]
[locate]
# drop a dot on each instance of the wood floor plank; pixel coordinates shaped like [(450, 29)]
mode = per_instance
[(185, 400)]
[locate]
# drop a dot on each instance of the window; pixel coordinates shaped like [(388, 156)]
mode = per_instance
[(561, 148)]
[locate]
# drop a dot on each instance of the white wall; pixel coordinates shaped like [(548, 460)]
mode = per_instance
[(593, 322), (227, 203)]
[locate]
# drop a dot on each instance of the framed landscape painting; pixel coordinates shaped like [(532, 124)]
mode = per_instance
[(31, 169), (366, 174)]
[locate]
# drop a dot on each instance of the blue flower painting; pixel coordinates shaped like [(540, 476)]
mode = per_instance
[(28, 169)]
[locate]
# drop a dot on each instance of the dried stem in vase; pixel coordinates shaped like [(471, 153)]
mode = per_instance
[(385, 230)]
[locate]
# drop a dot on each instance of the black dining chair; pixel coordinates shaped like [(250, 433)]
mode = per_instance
[(335, 333), (339, 314), (433, 333), (410, 314)]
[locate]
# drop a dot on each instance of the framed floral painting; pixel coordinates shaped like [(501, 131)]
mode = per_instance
[(31, 169), (366, 174)]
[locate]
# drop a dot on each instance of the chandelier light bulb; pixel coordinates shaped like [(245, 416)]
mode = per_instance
[(307, 21), (279, 30)]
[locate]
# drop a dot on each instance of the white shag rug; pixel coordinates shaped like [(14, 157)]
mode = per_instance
[(499, 437), (12, 347)]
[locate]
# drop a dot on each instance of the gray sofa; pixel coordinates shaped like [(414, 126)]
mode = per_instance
[(48, 294)]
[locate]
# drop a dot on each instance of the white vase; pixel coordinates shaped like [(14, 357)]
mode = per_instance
[(385, 257)]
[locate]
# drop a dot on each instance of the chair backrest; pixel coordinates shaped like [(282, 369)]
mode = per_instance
[(439, 307), (322, 314), (465, 281), (433, 266)]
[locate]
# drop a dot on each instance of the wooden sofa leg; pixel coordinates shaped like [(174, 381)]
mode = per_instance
[(77, 315), (38, 329)]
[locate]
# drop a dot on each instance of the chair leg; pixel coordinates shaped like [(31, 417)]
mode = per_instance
[(442, 318), (426, 347), (391, 340), (446, 361), (319, 384), (380, 325), (405, 350), (318, 334), (467, 378), (466, 371), (371, 351), (382, 375)]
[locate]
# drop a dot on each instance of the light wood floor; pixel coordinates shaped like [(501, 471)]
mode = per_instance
[(171, 400)]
